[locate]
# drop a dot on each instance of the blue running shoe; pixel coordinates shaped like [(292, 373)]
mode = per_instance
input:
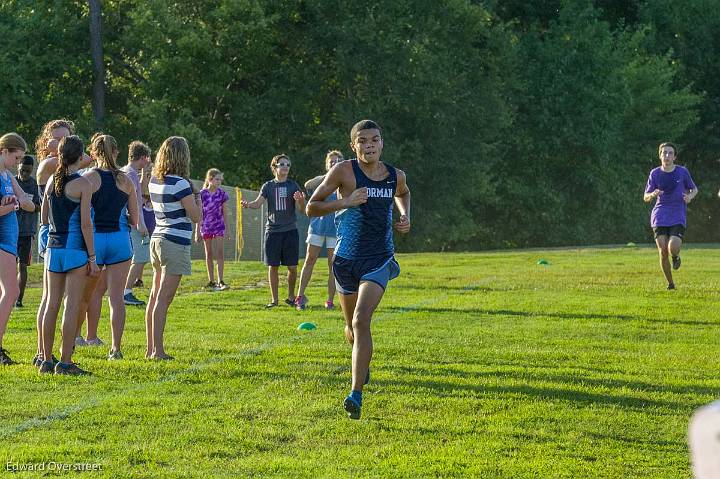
[(352, 407)]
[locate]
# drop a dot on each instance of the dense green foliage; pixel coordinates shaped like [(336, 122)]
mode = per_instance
[(586, 368), (518, 123)]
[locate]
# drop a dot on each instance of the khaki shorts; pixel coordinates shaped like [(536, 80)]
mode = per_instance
[(169, 256)]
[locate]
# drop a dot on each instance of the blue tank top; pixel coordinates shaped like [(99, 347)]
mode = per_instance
[(324, 225), (365, 231), (8, 222), (64, 218), (109, 204)]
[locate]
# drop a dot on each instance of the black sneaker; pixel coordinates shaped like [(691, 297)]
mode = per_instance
[(114, 355), (138, 284), (37, 360), (671, 286), (676, 262), (18, 303), (5, 359), (131, 300), (71, 369), (210, 285), (46, 367), (290, 302)]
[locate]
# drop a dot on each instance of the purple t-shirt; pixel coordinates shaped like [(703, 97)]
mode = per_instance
[(149, 216), (213, 222), (670, 208)]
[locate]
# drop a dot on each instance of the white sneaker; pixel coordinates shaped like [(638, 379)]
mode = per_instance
[(79, 341)]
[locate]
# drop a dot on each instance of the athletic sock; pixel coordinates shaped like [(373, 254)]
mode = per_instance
[(356, 396)]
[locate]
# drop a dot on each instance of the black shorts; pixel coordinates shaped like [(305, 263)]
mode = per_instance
[(24, 249), (674, 230), (282, 248)]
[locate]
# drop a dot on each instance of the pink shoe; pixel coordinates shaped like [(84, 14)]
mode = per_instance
[(329, 305), (300, 302)]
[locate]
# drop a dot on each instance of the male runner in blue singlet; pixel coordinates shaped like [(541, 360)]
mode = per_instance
[(364, 261)]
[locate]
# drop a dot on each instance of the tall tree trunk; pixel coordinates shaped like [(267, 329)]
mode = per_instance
[(98, 101)]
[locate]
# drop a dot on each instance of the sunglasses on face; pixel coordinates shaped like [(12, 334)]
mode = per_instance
[(282, 164)]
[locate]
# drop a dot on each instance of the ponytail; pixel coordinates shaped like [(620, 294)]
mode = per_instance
[(104, 149), (70, 151), (59, 179)]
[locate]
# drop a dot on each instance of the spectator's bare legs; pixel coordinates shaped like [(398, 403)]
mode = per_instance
[(208, 244), (274, 280), (168, 287), (94, 306), (116, 275), (157, 276), (331, 277), (219, 256), (291, 278), (311, 256)]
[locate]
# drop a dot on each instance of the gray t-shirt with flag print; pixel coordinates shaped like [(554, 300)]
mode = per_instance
[(281, 205)]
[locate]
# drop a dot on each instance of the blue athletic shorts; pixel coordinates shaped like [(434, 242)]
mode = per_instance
[(113, 248), (349, 273), (282, 248), (62, 260), (43, 240)]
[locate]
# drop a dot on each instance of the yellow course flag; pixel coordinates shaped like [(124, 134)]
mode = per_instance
[(238, 227)]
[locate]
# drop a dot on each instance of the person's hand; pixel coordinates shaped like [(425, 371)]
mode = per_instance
[(145, 174), (8, 200), (92, 268), (244, 203), (357, 197), (656, 193), (403, 224), (687, 198), (299, 196)]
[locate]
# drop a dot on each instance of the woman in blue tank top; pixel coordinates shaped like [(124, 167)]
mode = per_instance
[(70, 257), (113, 215), (321, 231), (12, 149)]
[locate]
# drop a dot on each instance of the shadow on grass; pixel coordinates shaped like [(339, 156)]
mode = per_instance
[(571, 379), (531, 314), (444, 389)]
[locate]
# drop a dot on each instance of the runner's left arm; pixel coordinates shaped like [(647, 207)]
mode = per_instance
[(402, 202)]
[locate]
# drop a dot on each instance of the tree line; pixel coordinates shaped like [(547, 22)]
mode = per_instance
[(518, 123)]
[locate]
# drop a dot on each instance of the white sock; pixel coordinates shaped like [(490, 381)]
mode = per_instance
[(127, 291)]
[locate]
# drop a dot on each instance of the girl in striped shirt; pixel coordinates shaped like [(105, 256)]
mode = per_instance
[(177, 205)]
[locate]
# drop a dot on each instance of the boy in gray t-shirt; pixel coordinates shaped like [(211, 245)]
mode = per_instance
[(282, 242)]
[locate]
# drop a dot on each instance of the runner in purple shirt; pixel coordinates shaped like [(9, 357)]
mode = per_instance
[(672, 188)]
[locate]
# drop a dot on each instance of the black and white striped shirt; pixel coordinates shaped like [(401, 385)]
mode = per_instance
[(172, 221)]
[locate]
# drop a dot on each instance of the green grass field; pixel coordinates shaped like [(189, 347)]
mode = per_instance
[(486, 365)]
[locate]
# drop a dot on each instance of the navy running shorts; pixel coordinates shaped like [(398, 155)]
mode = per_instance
[(349, 273)]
